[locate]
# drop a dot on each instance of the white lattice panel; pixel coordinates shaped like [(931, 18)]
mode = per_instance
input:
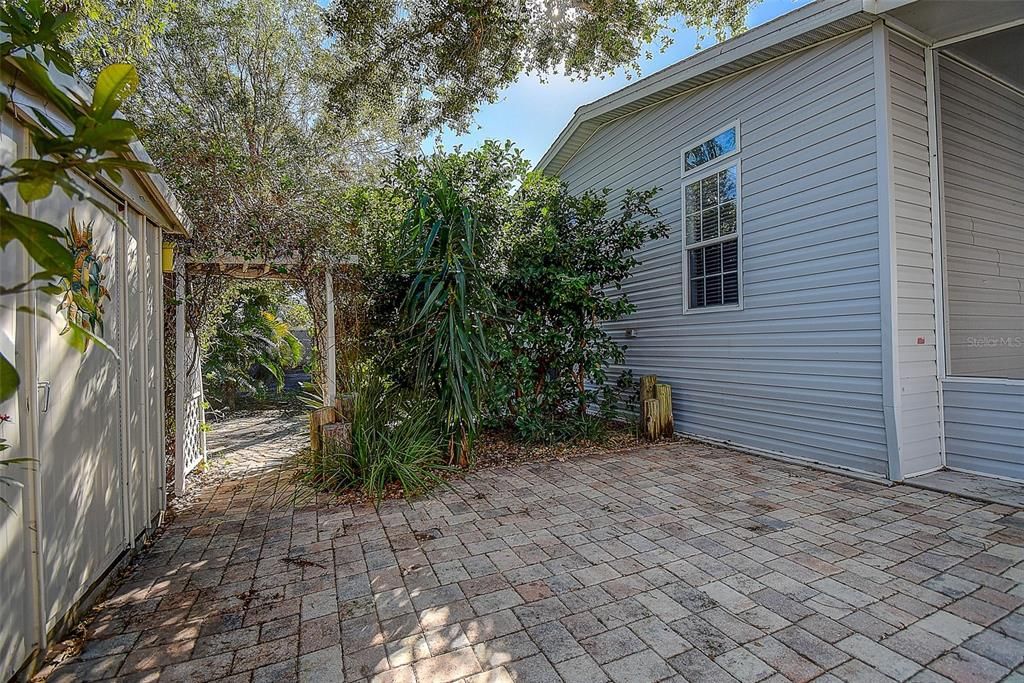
[(189, 415)]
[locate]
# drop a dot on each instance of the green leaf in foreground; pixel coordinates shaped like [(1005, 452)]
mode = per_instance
[(43, 242), (114, 84), (35, 188), (8, 379)]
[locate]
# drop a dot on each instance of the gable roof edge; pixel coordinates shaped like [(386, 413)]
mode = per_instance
[(171, 211), (796, 30)]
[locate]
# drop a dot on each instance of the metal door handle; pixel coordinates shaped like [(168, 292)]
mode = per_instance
[(45, 386)]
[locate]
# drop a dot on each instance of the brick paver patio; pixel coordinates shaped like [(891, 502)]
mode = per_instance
[(678, 562)]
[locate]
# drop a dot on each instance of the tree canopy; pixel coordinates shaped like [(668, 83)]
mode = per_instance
[(269, 117), (231, 109), (439, 59), (263, 113), (421, 64), (110, 31)]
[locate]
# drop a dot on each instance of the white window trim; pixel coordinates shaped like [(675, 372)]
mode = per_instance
[(706, 170), (701, 141)]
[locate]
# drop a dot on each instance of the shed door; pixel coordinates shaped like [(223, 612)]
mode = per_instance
[(139, 453), (80, 454), (18, 617), (153, 330)]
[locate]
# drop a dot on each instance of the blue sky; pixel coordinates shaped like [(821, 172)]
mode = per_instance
[(532, 113)]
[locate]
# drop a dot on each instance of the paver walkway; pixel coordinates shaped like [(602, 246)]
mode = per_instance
[(680, 562), (248, 444)]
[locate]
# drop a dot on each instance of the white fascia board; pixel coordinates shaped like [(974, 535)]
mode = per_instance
[(881, 6)]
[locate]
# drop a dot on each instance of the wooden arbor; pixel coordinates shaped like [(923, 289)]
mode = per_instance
[(189, 415)]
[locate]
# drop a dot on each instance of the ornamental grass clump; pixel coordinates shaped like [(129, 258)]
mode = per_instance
[(396, 443)]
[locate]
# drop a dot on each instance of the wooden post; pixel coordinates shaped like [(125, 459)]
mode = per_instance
[(652, 420), (664, 398), (330, 359), (317, 419), (337, 438), (345, 407), (647, 383), (647, 393)]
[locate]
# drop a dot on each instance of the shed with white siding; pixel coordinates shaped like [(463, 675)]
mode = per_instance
[(91, 424), (843, 282)]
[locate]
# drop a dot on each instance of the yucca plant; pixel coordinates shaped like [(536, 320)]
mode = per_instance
[(447, 308)]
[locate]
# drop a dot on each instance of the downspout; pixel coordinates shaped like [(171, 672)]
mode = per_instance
[(938, 253)]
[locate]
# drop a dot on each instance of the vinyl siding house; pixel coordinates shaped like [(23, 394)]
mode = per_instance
[(844, 278)]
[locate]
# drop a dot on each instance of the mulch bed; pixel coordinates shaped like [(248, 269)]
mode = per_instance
[(501, 448)]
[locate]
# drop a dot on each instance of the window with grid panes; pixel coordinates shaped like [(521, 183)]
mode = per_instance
[(710, 210)]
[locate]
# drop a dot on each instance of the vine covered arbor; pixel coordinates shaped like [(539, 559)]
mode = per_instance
[(194, 281)]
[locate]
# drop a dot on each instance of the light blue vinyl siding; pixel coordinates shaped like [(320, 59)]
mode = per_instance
[(984, 427), (797, 371)]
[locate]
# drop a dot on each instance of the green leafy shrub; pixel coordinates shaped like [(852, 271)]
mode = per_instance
[(395, 439), (567, 257), (484, 180), (430, 248), (248, 335), (488, 290)]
